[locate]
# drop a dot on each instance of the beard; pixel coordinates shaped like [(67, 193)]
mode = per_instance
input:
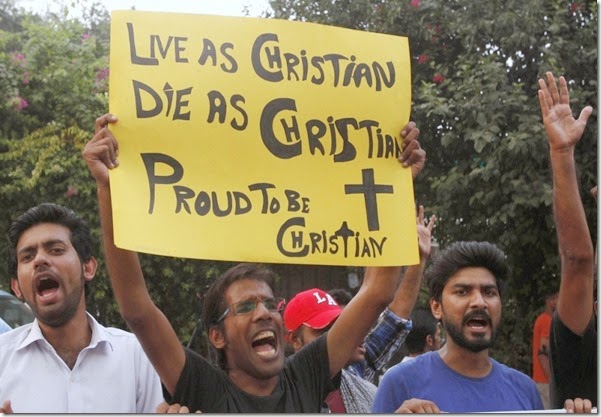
[(65, 312), (478, 343)]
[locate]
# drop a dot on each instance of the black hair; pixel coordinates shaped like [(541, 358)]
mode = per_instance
[(342, 296), (214, 300), (424, 324), (81, 238), (462, 255)]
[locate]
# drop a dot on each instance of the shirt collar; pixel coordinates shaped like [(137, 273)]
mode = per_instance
[(99, 335)]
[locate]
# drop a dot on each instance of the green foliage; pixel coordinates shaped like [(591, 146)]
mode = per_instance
[(60, 67), (56, 70), (475, 67)]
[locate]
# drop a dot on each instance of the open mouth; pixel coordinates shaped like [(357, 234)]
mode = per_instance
[(477, 322), (46, 286), (265, 344)]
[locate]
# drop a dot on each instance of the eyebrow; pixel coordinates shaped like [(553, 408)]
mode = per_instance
[(470, 286), (45, 244)]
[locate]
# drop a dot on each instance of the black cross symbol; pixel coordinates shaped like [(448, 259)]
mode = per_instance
[(369, 189)]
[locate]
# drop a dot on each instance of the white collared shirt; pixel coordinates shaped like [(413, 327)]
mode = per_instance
[(111, 375)]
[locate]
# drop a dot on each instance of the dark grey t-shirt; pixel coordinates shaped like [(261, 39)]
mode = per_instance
[(303, 384), (573, 363)]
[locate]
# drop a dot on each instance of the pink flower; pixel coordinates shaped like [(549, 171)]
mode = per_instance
[(85, 37), (18, 59), (71, 191), (438, 78), (422, 59), (415, 3), (102, 74), (25, 77), (19, 103)]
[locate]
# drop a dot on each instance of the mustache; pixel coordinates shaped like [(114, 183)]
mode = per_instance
[(477, 315)]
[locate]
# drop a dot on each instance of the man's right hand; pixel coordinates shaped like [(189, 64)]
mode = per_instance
[(415, 405), (101, 152)]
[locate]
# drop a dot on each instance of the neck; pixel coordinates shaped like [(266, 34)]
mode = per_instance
[(252, 385), (464, 361), (70, 338)]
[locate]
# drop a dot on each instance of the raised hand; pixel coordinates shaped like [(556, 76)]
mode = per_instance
[(424, 233), (563, 130), (413, 155), (102, 151)]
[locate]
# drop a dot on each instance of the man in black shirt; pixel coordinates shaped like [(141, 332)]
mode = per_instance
[(573, 337), (243, 318)]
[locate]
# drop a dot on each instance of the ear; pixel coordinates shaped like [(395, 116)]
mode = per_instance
[(14, 285), (436, 308), (216, 337), (294, 339), (429, 341), (89, 268)]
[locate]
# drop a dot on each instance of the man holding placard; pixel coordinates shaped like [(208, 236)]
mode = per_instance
[(244, 322)]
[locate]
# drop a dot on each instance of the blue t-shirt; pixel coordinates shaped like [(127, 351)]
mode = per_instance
[(427, 377)]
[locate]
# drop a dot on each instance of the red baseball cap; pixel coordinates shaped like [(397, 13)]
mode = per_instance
[(313, 308)]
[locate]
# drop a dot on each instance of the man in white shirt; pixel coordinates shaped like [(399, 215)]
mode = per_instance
[(65, 362)]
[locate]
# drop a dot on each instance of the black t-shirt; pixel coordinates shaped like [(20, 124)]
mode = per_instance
[(573, 363), (303, 384)]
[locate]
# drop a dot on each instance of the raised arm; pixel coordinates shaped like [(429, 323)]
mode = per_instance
[(389, 335), (148, 323), (406, 295), (575, 301), (379, 283)]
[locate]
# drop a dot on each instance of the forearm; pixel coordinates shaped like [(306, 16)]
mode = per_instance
[(575, 301), (575, 244), (357, 318), (406, 294), (383, 342)]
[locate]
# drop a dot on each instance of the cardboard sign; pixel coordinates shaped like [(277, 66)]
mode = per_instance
[(250, 139)]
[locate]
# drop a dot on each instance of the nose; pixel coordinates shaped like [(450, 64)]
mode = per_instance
[(261, 312), (40, 259), (477, 301)]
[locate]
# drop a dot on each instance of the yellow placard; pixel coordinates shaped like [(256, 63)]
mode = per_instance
[(260, 140)]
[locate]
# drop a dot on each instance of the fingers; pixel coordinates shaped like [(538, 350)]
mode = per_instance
[(552, 87), (412, 153), (542, 99), (415, 405), (410, 128), (104, 147), (578, 405), (6, 407), (103, 121), (420, 215), (164, 408), (564, 97), (432, 223), (585, 114)]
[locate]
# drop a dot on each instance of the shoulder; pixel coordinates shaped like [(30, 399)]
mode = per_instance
[(513, 375), (119, 339), (15, 336), (415, 368)]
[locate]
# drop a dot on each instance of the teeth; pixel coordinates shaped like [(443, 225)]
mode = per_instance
[(267, 353), (263, 335)]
